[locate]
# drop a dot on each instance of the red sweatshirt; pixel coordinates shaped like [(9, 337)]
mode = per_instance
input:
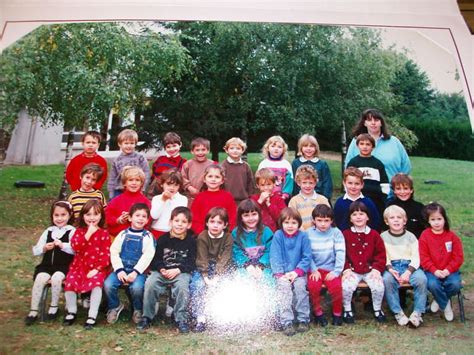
[(73, 170), (440, 251), (364, 251), (270, 214)]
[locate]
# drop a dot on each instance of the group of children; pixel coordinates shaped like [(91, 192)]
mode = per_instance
[(206, 222)]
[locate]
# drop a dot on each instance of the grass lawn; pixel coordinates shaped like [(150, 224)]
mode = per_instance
[(25, 215)]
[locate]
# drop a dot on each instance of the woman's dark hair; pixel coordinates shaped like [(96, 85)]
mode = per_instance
[(358, 206), (247, 206), (360, 128), (96, 205), (63, 204), (434, 207)]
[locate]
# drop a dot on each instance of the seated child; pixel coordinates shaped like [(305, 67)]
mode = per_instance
[(130, 254), (271, 203), (365, 260), (172, 265), (239, 177), (290, 258), (308, 198), (328, 256), (403, 267), (441, 255)]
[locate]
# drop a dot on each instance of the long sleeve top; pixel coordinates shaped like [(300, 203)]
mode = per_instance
[(73, 170), (165, 162), (172, 253), (290, 253), (365, 251), (305, 206), (413, 210), (193, 172), (341, 212), (217, 250), (324, 185), (56, 233), (123, 160), (271, 213), (328, 250), (375, 178), (146, 253), (206, 200), (247, 251), (161, 210), (401, 247), (239, 179), (283, 174), (440, 251)]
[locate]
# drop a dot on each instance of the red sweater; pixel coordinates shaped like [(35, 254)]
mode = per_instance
[(364, 252), (206, 200), (270, 214), (164, 163), (73, 170), (440, 251), (119, 204)]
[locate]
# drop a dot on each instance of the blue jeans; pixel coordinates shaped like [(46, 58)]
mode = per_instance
[(293, 296), (136, 288), (417, 280), (444, 289)]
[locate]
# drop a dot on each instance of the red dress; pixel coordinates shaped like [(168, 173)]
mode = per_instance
[(89, 255)]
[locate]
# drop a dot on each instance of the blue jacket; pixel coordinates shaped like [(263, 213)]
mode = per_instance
[(290, 253)]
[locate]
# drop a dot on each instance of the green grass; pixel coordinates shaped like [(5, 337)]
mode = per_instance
[(25, 214)]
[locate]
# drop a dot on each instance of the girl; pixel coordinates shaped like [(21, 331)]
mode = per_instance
[(274, 152), (365, 260), (213, 260), (89, 268), (308, 152), (441, 255), (212, 196), (57, 255)]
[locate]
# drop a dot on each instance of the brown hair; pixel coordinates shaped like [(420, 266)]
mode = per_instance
[(96, 205), (63, 204), (289, 213), (370, 113), (127, 135), (307, 139), (171, 138), (323, 211), (206, 171), (358, 206), (92, 168), (139, 207), (200, 141), (265, 174), (401, 179), (171, 176), (353, 171), (181, 210), (217, 211), (305, 171), (365, 137), (93, 134), (247, 206), (432, 208)]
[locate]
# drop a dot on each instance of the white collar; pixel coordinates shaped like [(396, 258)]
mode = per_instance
[(215, 237), (304, 160), (366, 230), (232, 161), (347, 197)]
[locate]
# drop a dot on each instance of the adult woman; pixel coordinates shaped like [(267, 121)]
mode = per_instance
[(388, 148)]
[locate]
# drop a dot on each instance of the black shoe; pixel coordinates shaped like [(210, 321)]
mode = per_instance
[(321, 320), (69, 318), (90, 323), (302, 327), (380, 316), (289, 330), (348, 317), (144, 324), (336, 320), (29, 320), (200, 327), (183, 327), (53, 316)]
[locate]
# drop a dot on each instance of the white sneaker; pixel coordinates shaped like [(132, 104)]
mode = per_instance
[(434, 306), (169, 311), (401, 319), (415, 319), (448, 312)]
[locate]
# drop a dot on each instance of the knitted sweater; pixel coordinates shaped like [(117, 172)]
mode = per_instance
[(174, 253), (413, 210), (270, 214), (364, 251), (165, 162), (328, 250), (123, 160), (440, 251), (305, 206), (238, 180), (73, 170), (290, 253), (161, 210), (193, 173), (215, 250), (324, 185), (283, 174), (79, 198), (375, 177), (401, 247), (341, 212), (205, 200)]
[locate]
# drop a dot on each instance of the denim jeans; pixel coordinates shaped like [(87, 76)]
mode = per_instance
[(417, 280), (136, 288), (444, 289), (293, 296)]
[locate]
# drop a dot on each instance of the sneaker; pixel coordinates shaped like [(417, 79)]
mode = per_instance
[(380, 316), (289, 330), (434, 306), (415, 319), (348, 317), (137, 316), (302, 327), (114, 313), (200, 327), (321, 320), (448, 312), (144, 323), (402, 319), (183, 327), (336, 320)]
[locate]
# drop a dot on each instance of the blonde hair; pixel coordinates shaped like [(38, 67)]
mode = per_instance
[(353, 171), (129, 172), (127, 135), (272, 140), (394, 210), (307, 139), (265, 174), (237, 141), (306, 172)]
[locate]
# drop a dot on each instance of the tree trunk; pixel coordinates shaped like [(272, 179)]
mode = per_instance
[(215, 149), (64, 186), (244, 136)]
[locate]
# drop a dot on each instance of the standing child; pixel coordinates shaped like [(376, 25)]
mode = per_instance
[(365, 260), (212, 196), (271, 203), (308, 152), (172, 265), (130, 254), (54, 245), (170, 182), (127, 141), (290, 258), (274, 152), (328, 256), (213, 260), (90, 143), (307, 199), (239, 178), (441, 255), (403, 267), (89, 268)]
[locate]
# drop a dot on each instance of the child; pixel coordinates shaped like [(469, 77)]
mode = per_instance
[(213, 260), (353, 183), (130, 255), (91, 262), (308, 198), (402, 186), (270, 203), (170, 182), (54, 245), (127, 141), (274, 152), (193, 170), (375, 178), (365, 260), (239, 178), (328, 256), (308, 152), (90, 173), (212, 196), (290, 258), (441, 255), (132, 178), (403, 267), (172, 265), (90, 143)]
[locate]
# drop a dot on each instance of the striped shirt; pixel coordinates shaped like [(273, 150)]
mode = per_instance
[(79, 198), (328, 250), (305, 206)]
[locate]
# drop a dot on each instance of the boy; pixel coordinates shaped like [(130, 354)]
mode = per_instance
[(328, 256), (90, 173), (130, 254), (127, 141), (402, 185), (376, 185), (353, 181), (239, 178), (193, 170), (174, 260), (403, 267), (116, 213), (90, 142), (271, 203), (305, 202)]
